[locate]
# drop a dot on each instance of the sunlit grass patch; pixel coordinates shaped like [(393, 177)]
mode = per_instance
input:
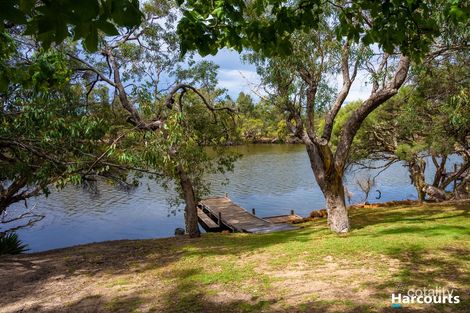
[(388, 249), (119, 282)]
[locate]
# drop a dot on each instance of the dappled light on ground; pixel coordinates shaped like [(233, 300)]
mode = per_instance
[(306, 270)]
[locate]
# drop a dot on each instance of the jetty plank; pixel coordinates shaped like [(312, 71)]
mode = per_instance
[(281, 219), (207, 222), (237, 218)]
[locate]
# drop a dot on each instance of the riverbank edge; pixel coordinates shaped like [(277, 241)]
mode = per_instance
[(312, 217), (322, 213), (284, 272), (267, 140)]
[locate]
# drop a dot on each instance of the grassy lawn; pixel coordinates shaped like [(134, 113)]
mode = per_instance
[(307, 270)]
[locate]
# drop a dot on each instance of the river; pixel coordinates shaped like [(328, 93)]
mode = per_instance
[(271, 178)]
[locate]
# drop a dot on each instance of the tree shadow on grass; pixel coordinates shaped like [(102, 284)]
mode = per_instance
[(186, 294), (361, 218), (25, 275), (219, 245), (438, 230), (419, 269), (92, 304)]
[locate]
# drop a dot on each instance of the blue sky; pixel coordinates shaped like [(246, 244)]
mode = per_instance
[(237, 76)]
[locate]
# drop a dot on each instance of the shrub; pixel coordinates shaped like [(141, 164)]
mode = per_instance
[(11, 244)]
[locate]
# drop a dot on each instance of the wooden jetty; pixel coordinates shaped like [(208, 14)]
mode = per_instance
[(219, 213), (281, 219)]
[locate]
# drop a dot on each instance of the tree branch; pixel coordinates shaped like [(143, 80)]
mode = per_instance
[(89, 67), (170, 98), (375, 99), (347, 82)]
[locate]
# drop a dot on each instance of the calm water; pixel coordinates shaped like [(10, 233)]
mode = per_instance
[(271, 178)]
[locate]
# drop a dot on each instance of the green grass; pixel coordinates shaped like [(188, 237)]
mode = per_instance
[(119, 304), (119, 282), (425, 241), (306, 270), (381, 231)]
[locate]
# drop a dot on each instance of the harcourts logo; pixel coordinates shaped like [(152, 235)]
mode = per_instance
[(425, 296)]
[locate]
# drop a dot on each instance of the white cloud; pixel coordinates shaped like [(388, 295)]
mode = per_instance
[(234, 75), (248, 81), (236, 81), (360, 89), (237, 76)]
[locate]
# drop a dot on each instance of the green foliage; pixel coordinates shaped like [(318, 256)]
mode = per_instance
[(42, 71), (282, 131), (458, 111), (49, 134), (264, 26), (245, 104), (189, 124), (184, 145), (267, 26), (429, 117), (253, 128), (410, 25), (311, 68), (11, 244), (54, 21), (259, 121), (341, 119), (408, 152), (7, 48)]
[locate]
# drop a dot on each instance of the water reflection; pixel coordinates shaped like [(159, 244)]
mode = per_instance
[(271, 178)]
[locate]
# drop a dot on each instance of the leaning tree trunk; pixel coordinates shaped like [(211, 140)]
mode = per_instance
[(190, 210), (417, 167), (440, 169), (330, 181), (435, 193)]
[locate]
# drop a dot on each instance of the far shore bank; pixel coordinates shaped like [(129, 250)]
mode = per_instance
[(267, 140)]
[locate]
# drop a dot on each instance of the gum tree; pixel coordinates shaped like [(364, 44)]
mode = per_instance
[(425, 125), (47, 136), (131, 53), (267, 27), (272, 29), (301, 88), (175, 110)]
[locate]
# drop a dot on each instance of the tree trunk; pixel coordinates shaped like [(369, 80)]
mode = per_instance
[(440, 169), (416, 168), (15, 192), (338, 218), (190, 210), (328, 168), (330, 181), (435, 193), (462, 190)]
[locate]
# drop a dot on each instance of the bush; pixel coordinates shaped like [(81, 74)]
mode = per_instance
[(11, 244)]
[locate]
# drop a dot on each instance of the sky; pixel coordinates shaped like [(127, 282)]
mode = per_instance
[(237, 76)]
